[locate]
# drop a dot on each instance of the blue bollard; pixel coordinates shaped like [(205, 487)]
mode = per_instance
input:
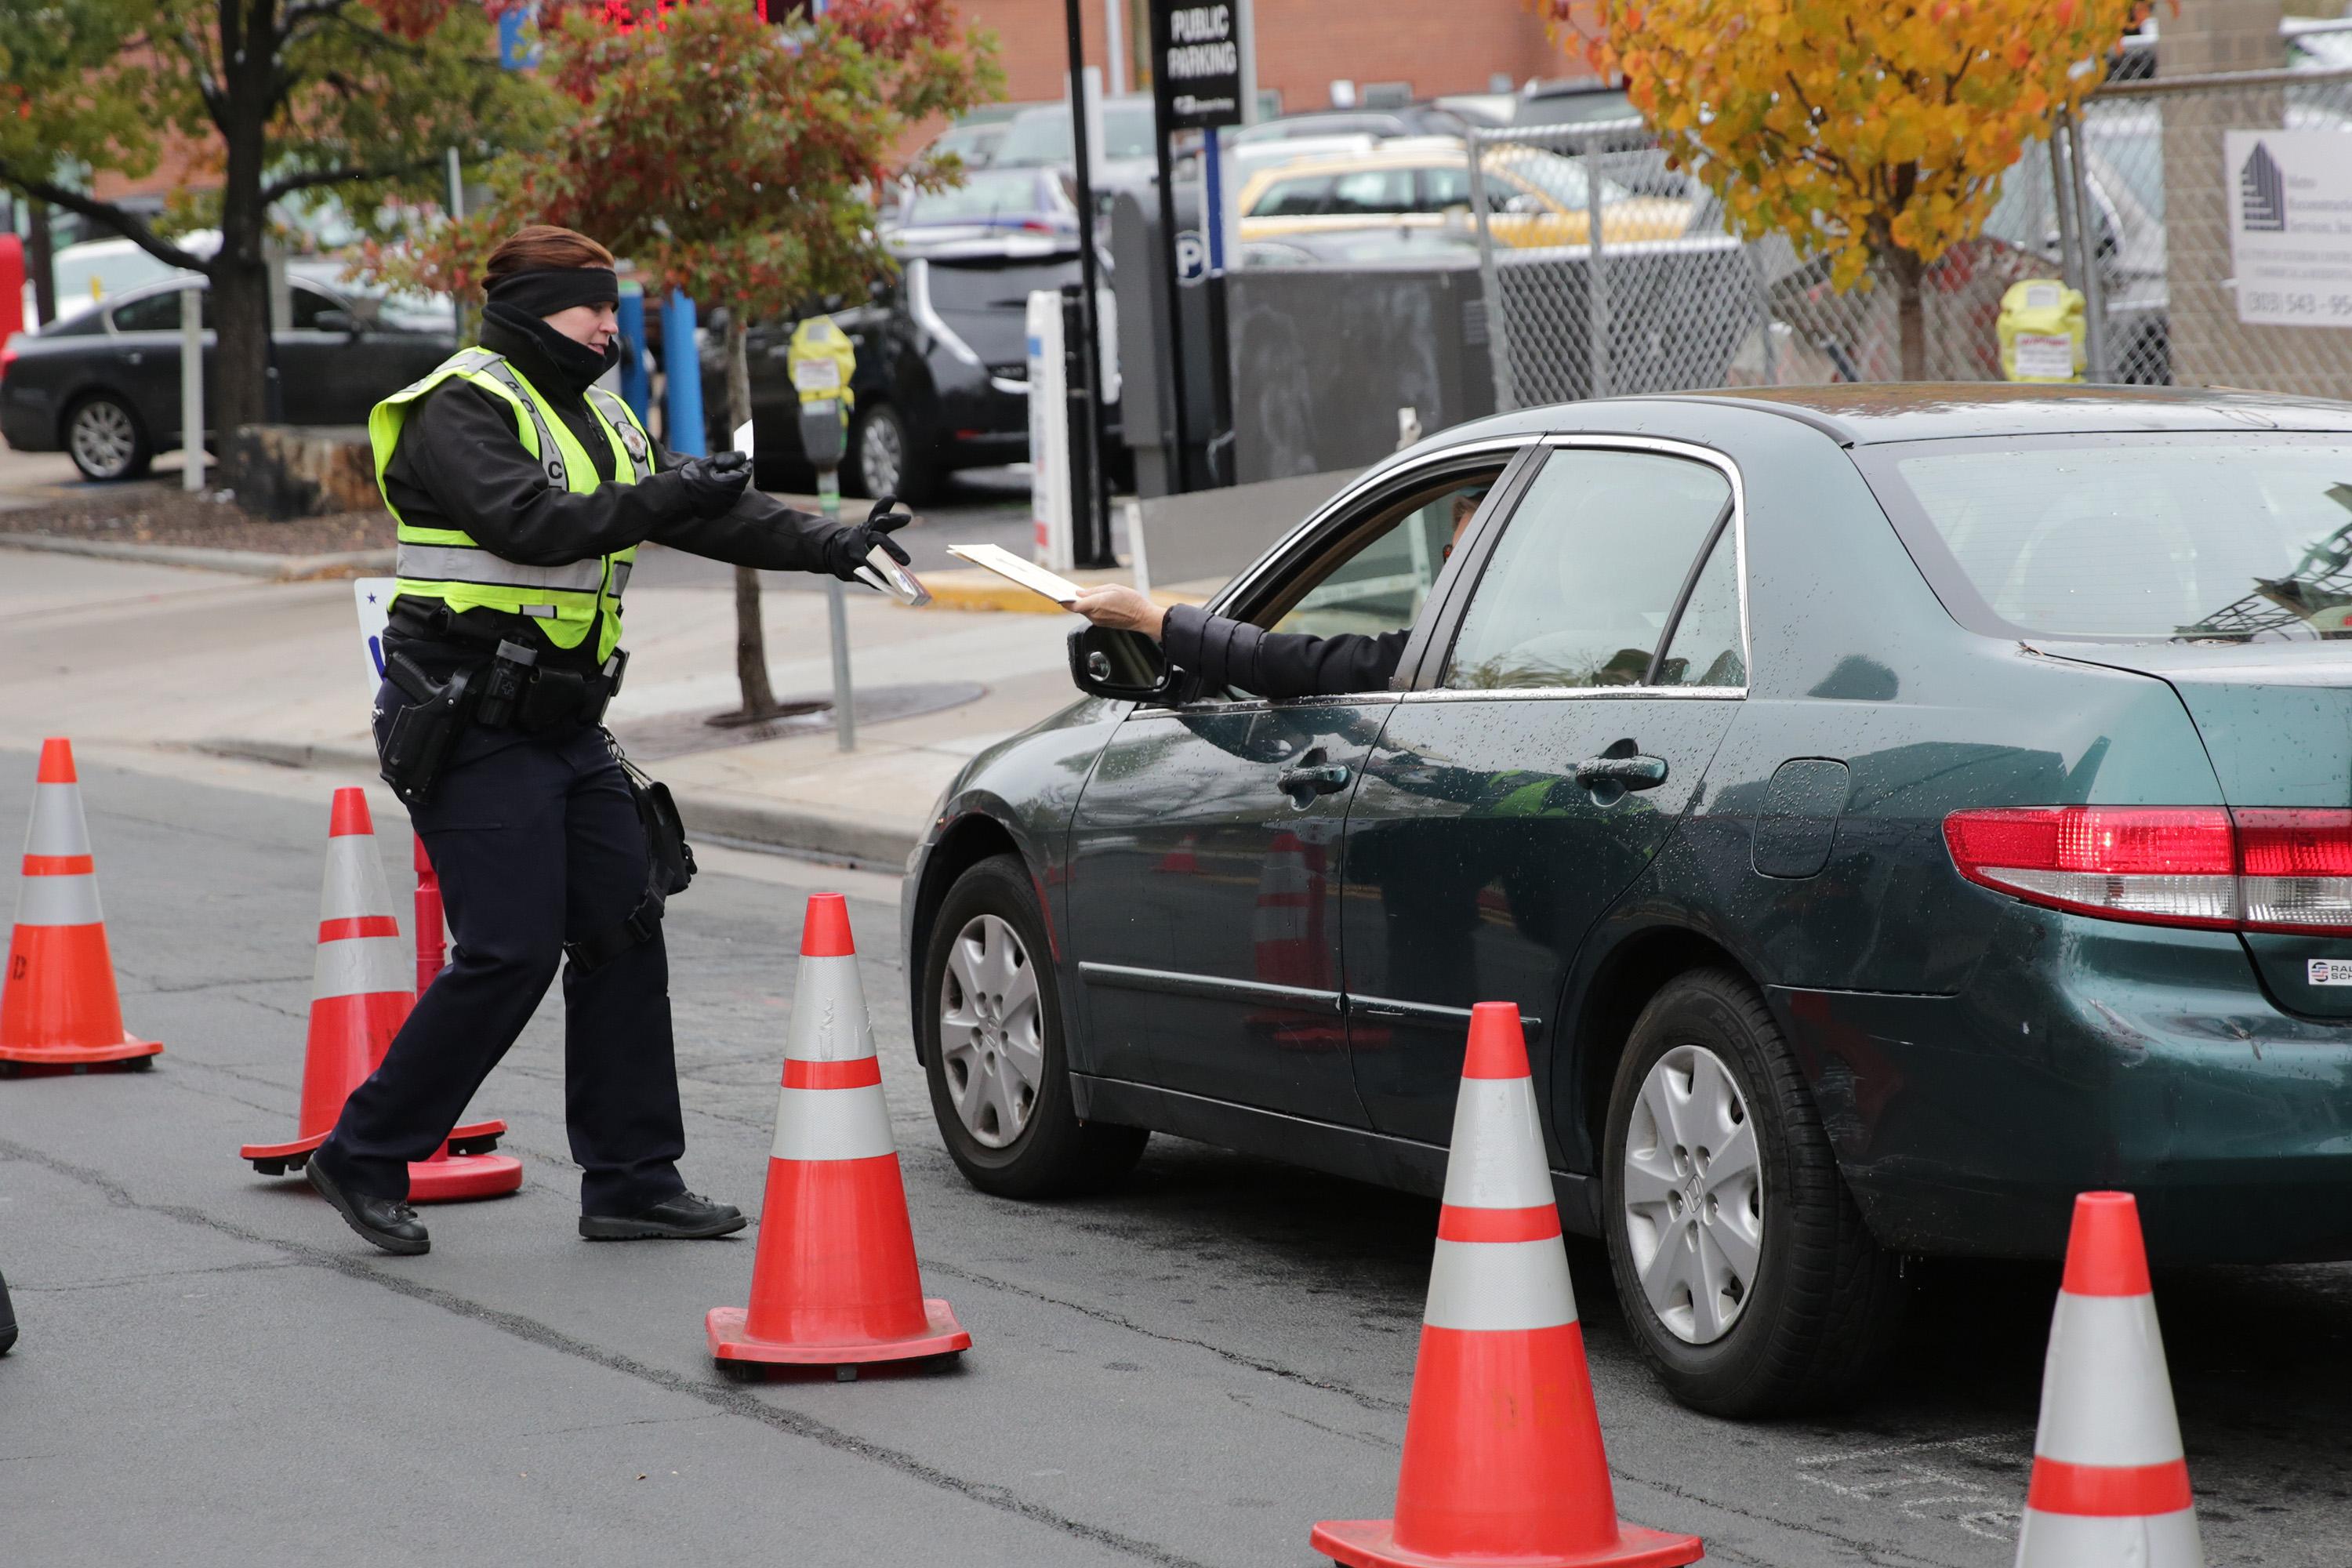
[(682, 404), (636, 385)]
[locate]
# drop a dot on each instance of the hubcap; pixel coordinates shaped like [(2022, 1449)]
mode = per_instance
[(992, 1031), (1694, 1194), (880, 454), (103, 439)]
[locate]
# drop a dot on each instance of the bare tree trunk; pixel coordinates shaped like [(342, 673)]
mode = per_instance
[(240, 278), (750, 636), (39, 255), (1910, 314)]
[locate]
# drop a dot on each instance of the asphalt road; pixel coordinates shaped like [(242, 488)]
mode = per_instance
[(1189, 1371)]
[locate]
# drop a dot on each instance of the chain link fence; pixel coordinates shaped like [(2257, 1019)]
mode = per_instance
[(1668, 298)]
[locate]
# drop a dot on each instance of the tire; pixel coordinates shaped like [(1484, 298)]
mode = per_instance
[(105, 438), (1821, 1300), (1014, 1142), (882, 460)]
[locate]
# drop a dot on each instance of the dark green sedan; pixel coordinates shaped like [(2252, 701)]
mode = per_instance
[(1893, 811)]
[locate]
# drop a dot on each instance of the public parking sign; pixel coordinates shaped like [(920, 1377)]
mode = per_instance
[(1198, 51)]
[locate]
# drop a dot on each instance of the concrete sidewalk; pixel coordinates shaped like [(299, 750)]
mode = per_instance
[(146, 664)]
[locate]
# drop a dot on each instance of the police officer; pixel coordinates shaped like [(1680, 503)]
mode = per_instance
[(521, 490)]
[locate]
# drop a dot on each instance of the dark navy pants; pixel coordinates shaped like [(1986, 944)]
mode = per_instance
[(537, 842)]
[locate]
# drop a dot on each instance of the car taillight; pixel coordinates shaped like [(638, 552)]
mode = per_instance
[(2261, 869)]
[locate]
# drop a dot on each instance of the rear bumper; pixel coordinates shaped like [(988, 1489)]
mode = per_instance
[(26, 425), (2086, 1053)]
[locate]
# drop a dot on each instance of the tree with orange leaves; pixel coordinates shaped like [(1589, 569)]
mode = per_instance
[(1863, 129)]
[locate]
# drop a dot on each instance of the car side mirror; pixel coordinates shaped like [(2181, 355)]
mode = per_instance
[(1124, 666), (336, 321)]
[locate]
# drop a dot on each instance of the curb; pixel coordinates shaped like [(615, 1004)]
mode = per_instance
[(859, 840), (244, 563)]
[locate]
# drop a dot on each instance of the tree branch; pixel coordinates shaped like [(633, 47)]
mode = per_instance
[(278, 190), (132, 227)]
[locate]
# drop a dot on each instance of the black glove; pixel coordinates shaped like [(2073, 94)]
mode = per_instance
[(846, 551), (714, 484)]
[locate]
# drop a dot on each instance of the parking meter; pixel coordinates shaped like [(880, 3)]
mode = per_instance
[(821, 362)]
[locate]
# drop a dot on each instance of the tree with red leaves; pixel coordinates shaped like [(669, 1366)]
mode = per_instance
[(728, 157)]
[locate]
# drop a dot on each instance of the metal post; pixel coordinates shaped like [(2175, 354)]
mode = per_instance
[(1114, 48), (1093, 531), (2086, 232), (1180, 420), (2062, 213), (1499, 342), (682, 394), (1213, 222), (1596, 282), (836, 612), (457, 188), (192, 389), (1246, 24)]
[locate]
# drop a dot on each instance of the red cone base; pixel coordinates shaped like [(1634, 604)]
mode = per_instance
[(730, 1341), (464, 1169), (132, 1049), (1372, 1543)]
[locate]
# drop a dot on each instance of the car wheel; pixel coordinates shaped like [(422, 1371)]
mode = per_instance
[(1744, 1268), (882, 460), (993, 1047), (105, 438)]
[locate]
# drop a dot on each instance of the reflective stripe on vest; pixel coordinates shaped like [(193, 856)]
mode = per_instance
[(447, 565)]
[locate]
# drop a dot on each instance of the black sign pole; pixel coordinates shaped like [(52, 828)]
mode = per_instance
[(1090, 545), (1180, 423)]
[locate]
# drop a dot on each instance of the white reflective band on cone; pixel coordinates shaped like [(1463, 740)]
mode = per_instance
[(354, 884), (828, 1013), (832, 1124), (71, 900), (1500, 1285), (362, 966), (2081, 1541), (1496, 1160), (2105, 1397), (56, 828), (1285, 874)]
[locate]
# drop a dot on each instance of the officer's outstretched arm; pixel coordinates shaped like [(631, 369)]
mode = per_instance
[(758, 530), (463, 444)]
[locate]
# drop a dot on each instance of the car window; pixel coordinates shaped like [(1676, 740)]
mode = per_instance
[(308, 305), (157, 313), (1382, 583), (1294, 198), (1447, 185), (1371, 191), (1580, 586), (1707, 648)]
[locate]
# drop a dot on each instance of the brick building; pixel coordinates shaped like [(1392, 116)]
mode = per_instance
[(1390, 50)]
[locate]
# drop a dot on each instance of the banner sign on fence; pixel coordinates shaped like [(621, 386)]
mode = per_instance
[(1197, 49), (2291, 226)]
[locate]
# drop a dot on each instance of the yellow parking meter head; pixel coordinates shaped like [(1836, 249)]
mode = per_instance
[(822, 360), (2043, 331)]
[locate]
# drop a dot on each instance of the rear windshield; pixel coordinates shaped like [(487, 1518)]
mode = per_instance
[(2184, 537)]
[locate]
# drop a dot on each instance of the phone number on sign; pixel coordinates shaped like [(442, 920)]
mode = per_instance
[(2270, 302)]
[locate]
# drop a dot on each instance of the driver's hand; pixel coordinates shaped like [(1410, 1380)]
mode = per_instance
[(1120, 607)]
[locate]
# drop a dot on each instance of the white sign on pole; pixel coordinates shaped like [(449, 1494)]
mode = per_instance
[(1049, 433), (2291, 226), (373, 597)]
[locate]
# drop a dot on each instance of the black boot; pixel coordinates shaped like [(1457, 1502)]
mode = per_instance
[(8, 1319), (685, 1217), (389, 1222)]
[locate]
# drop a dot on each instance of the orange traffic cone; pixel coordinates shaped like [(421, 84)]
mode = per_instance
[(834, 1282), (58, 1003), (359, 999), (1503, 1461), (2110, 1481)]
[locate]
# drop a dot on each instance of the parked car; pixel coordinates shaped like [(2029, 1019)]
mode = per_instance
[(1040, 137), (87, 274), (1892, 809), (1534, 197), (942, 375), (989, 203), (1383, 124), (104, 385)]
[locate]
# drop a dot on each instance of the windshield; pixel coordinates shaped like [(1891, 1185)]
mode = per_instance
[(985, 193), (2246, 538), (1043, 135)]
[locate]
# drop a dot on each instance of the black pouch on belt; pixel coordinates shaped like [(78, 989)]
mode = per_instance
[(669, 868), (415, 744)]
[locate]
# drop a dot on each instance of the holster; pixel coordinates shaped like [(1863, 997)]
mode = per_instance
[(669, 868), (414, 746)]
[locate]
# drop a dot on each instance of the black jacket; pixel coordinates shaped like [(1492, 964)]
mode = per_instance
[(1278, 664), (460, 464)]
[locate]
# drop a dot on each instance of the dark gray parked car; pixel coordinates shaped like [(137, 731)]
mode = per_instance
[(105, 385)]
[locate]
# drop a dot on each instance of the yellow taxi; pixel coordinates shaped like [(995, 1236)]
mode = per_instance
[(1535, 197)]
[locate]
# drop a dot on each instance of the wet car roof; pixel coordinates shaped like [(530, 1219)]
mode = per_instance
[(1867, 414)]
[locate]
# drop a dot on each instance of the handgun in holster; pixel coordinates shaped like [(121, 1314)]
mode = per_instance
[(415, 744)]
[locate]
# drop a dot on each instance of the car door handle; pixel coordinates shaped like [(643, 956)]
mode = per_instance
[(1322, 778), (1627, 773), (133, 357)]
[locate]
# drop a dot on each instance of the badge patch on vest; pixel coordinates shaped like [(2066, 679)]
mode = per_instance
[(634, 440)]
